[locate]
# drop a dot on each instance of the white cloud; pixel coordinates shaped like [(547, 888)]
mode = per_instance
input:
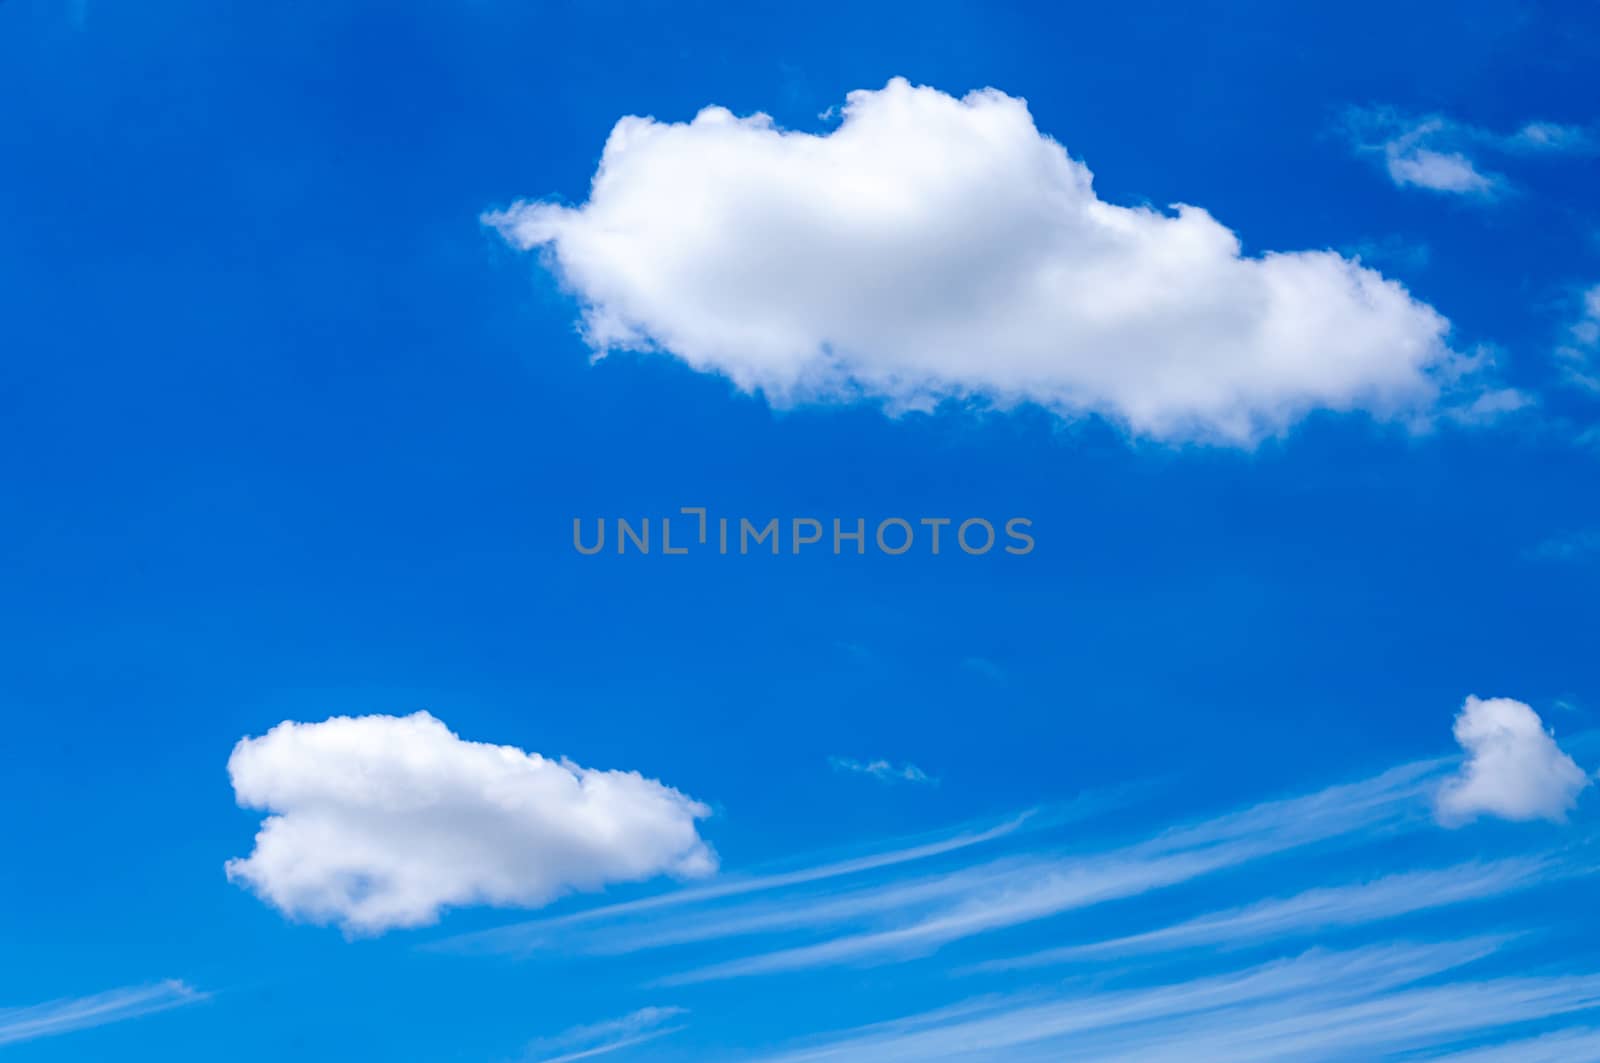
[(1171, 977), (81, 1013), (1374, 1002), (1410, 162), (1491, 405), (900, 917), (1437, 153), (1513, 769), (1551, 137), (1452, 172), (524, 937), (604, 1038), (1274, 921), (1577, 352), (1015, 892), (882, 770), (382, 821), (1588, 328), (932, 247), (1564, 1046)]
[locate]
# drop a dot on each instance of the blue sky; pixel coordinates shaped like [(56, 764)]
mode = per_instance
[(299, 401)]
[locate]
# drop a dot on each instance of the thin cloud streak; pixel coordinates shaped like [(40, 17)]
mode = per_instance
[(1567, 1046), (1265, 1002), (80, 1013), (529, 935), (613, 1046), (1313, 910), (882, 770), (1041, 888), (1320, 1005), (829, 909), (603, 1038)]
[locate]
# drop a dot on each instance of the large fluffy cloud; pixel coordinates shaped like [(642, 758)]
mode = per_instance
[(381, 821), (931, 247), (1513, 769)]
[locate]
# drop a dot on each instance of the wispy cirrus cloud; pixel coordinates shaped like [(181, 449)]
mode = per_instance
[(1318, 909), (1444, 155), (882, 770), (1206, 961), (597, 1039), (1374, 1002), (80, 1013), (1578, 352), (896, 917), (1566, 1046), (529, 936), (1010, 893)]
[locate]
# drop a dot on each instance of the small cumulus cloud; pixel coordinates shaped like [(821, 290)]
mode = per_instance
[(1551, 136), (1579, 347), (1513, 768), (1490, 406), (1410, 164), (882, 770), (382, 821), (1443, 155), (1589, 439)]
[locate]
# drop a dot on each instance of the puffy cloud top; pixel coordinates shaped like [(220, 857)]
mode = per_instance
[(934, 247), (382, 821), (1513, 769)]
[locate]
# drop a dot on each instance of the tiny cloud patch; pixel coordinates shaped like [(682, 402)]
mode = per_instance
[(1513, 768)]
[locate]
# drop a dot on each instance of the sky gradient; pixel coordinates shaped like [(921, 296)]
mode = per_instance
[(323, 323)]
